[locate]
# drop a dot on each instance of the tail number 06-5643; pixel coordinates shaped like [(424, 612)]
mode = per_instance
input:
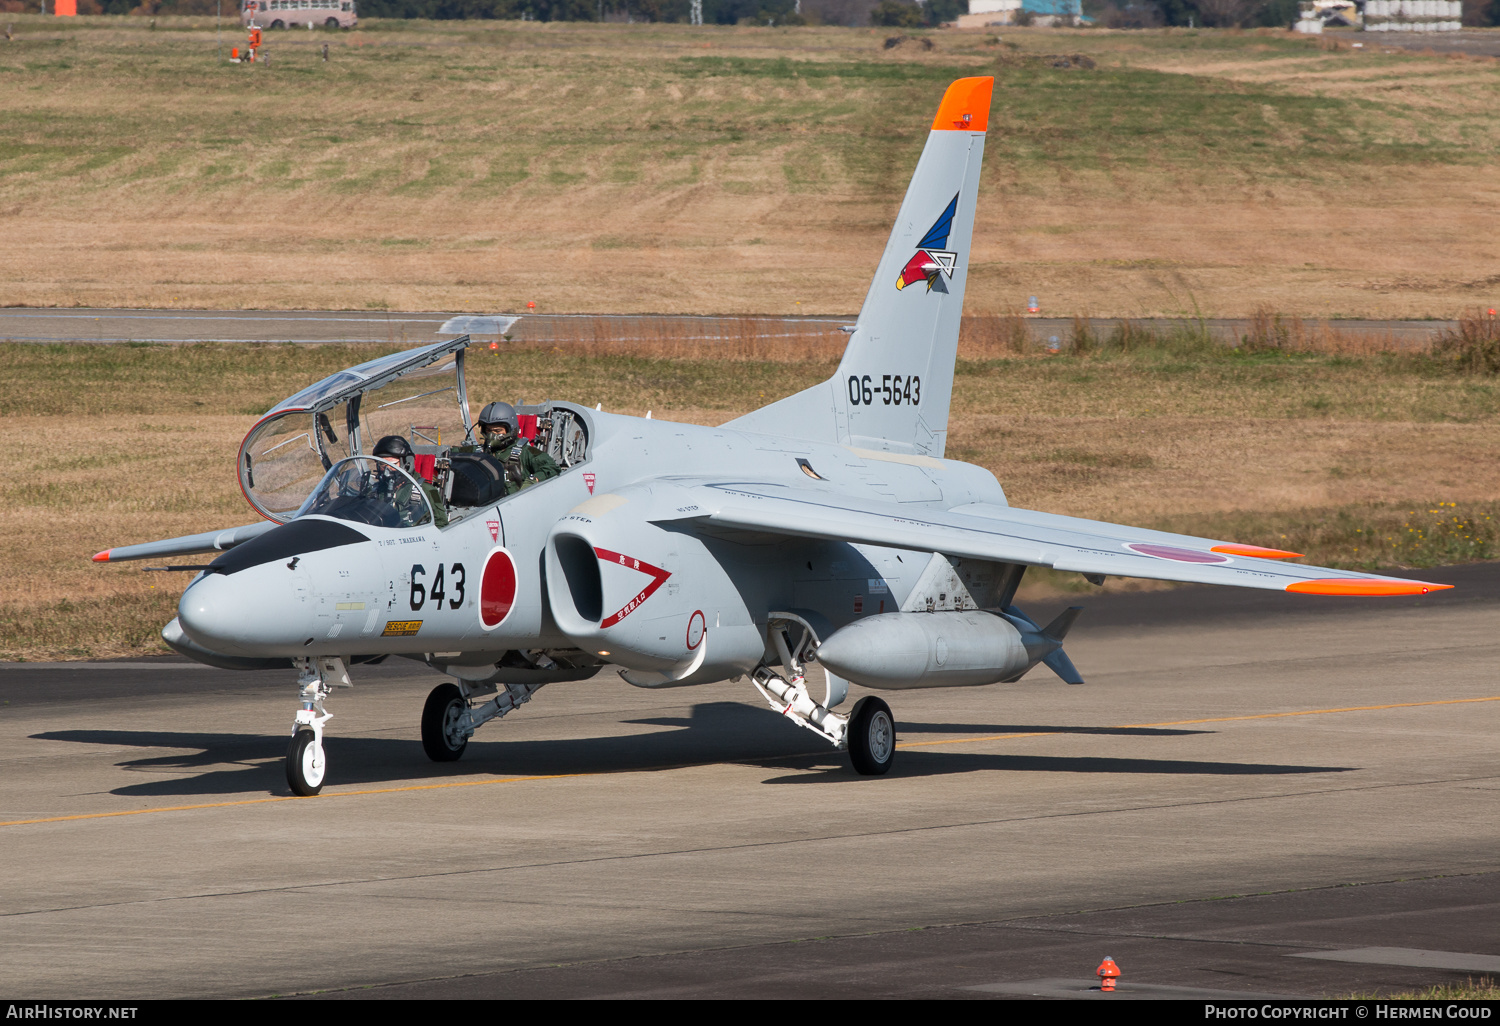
[(893, 390), (453, 591)]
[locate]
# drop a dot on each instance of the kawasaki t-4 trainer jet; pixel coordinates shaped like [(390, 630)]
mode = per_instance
[(824, 528)]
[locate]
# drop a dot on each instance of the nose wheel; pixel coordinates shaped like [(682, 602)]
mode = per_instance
[(306, 765)]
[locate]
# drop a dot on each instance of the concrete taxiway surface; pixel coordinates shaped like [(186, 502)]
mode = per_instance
[(609, 840), (23, 324)]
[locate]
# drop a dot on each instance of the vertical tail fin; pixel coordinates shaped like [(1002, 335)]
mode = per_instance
[(894, 385)]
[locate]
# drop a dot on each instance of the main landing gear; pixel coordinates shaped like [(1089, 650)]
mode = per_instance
[(868, 733), (450, 716)]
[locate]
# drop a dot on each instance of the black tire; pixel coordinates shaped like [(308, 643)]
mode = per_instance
[(444, 705), (331, 23), (305, 772), (278, 24), (872, 737)]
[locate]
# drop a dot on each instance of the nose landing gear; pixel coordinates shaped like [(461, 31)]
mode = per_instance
[(306, 762)]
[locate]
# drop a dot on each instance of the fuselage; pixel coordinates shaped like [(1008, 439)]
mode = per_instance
[(350, 589)]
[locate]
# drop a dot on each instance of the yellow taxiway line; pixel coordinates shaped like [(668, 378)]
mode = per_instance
[(1185, 723), (564, 776)]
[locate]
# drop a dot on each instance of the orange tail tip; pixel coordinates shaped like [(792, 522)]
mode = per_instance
[(966, 106), (1364, 586), (102, 557), (1234, 549)]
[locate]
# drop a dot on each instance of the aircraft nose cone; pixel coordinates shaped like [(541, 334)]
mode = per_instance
[(244, 614)]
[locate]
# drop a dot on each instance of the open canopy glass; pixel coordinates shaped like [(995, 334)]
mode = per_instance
[(419, 394)]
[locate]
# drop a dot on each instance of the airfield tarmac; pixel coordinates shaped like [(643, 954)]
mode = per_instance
[(1254, 794)]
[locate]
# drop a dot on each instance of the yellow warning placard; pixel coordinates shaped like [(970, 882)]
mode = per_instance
[(401, 628)]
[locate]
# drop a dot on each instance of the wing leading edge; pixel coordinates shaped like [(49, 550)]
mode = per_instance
[(1009, 535), (188, 545)]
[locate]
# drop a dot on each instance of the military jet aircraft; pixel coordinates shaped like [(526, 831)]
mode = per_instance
[(825, 528)]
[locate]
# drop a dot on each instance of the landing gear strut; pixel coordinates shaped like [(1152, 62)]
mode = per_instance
[(306, 762), (868, 733)]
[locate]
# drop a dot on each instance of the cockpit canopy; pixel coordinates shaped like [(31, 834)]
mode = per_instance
[(418, 394), (288, 461), (369, 491)]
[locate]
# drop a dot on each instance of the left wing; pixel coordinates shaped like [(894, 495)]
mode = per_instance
[(1009, 535), (187, 545)]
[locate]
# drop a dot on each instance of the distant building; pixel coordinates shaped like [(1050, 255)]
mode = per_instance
[(1413, 15), (1003, 12), (1381, 15)]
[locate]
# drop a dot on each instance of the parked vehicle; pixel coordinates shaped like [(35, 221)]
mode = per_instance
[(278, 14)]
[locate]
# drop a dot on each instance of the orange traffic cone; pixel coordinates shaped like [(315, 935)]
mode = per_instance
[(1108, 973)]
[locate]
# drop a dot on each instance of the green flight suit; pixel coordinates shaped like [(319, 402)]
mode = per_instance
[(434, 498), (521, 459)]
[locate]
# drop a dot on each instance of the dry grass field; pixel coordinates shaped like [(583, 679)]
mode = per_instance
[(613, 168), (616, 168), (1380, 460)]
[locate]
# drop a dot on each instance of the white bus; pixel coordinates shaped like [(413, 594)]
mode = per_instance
[(286, 13)]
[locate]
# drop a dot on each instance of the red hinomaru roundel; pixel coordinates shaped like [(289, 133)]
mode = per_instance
[(497, 589)]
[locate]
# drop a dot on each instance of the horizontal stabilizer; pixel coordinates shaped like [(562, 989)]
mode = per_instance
[(188, 545)]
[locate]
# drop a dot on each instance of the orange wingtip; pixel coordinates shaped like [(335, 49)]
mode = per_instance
[(1364, 586), (1257, 551), (102, 557), (966, 106)]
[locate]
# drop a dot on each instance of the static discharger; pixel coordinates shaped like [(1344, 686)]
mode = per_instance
[(1108, 973)]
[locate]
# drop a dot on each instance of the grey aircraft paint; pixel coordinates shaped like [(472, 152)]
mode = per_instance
[(825, 522)]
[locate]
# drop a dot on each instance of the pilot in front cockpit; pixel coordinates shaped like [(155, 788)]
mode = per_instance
[(525, 464), (398, 452)]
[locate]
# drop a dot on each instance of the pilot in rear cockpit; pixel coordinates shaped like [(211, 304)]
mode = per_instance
[(398, 452), (525, 464)]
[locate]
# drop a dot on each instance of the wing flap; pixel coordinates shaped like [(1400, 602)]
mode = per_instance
[(1008, 535), (187, 545)]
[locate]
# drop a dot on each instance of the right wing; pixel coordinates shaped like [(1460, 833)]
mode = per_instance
[(188, 545), (1005, 534)]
